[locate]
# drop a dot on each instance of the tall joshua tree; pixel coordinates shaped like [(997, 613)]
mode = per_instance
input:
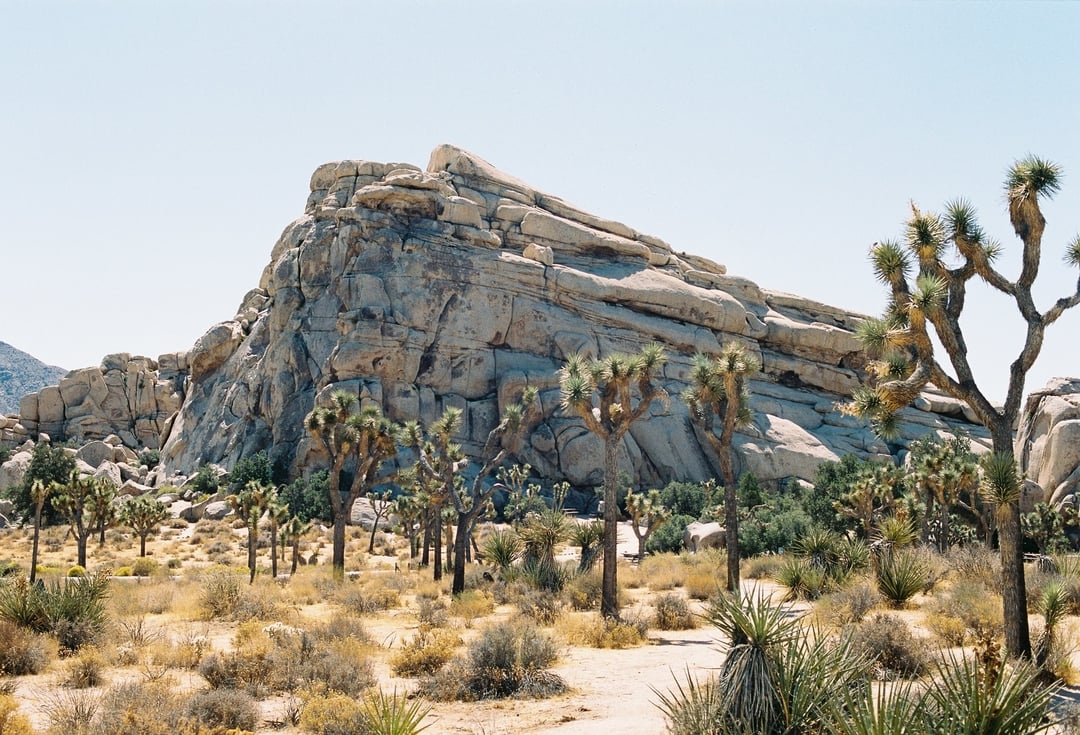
[(143, 513), (74, 500), (469, 502), (609, 395), (249, 503), (367, 438), (926, 294), (718, 391), (39, 491)]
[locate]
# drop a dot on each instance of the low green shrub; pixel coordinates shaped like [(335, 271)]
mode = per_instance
[(803, 579), (543, 608), (145, 567), (425, 653), (22, 651), (76, 571), (224, 708)]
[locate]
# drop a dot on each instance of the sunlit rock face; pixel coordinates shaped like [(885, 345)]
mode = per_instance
[(459, 285), (1048, 440)]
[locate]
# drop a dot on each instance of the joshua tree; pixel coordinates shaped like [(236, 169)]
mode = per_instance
[(468, 504), (294, 530), (926, 294), (609, 395), (249, 503), (410, 510), (277, 513), (942, 470), (143, 514), (73, 501), (368, 439), (38, 492), (718, 390), (380, 504), (870, 496), (100, 508), (647, 513)]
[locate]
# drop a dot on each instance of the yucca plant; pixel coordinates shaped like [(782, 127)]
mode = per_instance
[(693, 708), (393, 714), (803, 580), (896, 710), (502, 548), (901, 574), (1053, 605), (967, 697)]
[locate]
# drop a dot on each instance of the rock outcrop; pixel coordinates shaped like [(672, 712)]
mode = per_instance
[(459, 286), (1048, 440)]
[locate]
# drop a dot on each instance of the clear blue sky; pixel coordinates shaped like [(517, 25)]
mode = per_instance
[(152, 152)]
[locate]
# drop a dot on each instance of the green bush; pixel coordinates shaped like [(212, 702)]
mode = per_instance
[(506, 660), (689, 499), (150, 457), (426, 653), (145, 567), (669, 537), (73, 611), (543, 608), (9, 568), (804, 580), (309, 498)]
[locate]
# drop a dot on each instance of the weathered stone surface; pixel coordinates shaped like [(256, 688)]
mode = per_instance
[(95, 453), (14, 470), (216, 510), (701, 536), (1048, 439), (111, 472), (460, 285)]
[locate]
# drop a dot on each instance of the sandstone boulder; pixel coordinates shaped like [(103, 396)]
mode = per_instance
[(14, 470), (1048, 439), (700, 536), (215, 510)]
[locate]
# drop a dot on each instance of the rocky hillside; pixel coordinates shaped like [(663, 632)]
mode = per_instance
[(20, 374), (459, 285)]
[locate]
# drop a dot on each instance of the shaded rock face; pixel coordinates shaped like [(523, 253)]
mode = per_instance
[(1048, 440), (459, 286)]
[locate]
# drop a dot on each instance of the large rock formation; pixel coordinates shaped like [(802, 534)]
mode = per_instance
[(1048, 440), (459, 286), (20, 374)]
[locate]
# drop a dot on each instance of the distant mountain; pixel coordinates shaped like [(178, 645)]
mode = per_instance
[(20, 374)]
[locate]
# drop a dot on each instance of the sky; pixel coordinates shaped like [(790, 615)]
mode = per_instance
[(152, 152)]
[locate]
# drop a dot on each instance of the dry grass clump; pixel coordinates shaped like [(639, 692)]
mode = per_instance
[(595, 631), (13, 722), (848, 605), (673, 613), (974, 563), (471, 605), (889, 642), (22, 651), (584, 591), (434, 613), (663, 572), (761, 567), (366, 599), (378, 713), (281, 658), (226, 595), (701, 584), (425, 653), (505, 661), (86, 670), (543, 608), (968, 610)]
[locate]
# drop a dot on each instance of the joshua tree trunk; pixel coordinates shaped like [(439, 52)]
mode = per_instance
[(339, 545), (609, 607), (80, 543), (142, 544), (34, 552), (295, 555), (943, 541), (436, 532), (461, 548), (273, 551)]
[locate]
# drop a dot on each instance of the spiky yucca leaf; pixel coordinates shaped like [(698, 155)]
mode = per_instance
[(889, 260), (960, 219), (873, 334), (1072, 251), (929, 293), (876, 710), (1033, 175), (991, 249), (1001, 478), (925, 236), (577, 391)]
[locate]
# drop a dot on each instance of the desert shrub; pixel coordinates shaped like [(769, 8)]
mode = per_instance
[(895, 651), (673, 613), (342, 626), (663, 572), (222, 589), (76, 571), (975, 563), (393, 714), (227, 708), (701, 584), (584, 591), (669, 537), (124, 572), (145, 567), (848, 605), (689, 499), (22, 651), (433, 613), (425, 653), (472, 604), (502, 547), (86, 669), (541, 607), (901, 574), (367, 599), (968, 604), (332, 713), (506, 660), (309, 498), (12, 722), (70, 711), (9, 568), (596, 631)]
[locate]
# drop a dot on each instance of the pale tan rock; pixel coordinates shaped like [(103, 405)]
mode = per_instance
[(14, 470), (540, 253)]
